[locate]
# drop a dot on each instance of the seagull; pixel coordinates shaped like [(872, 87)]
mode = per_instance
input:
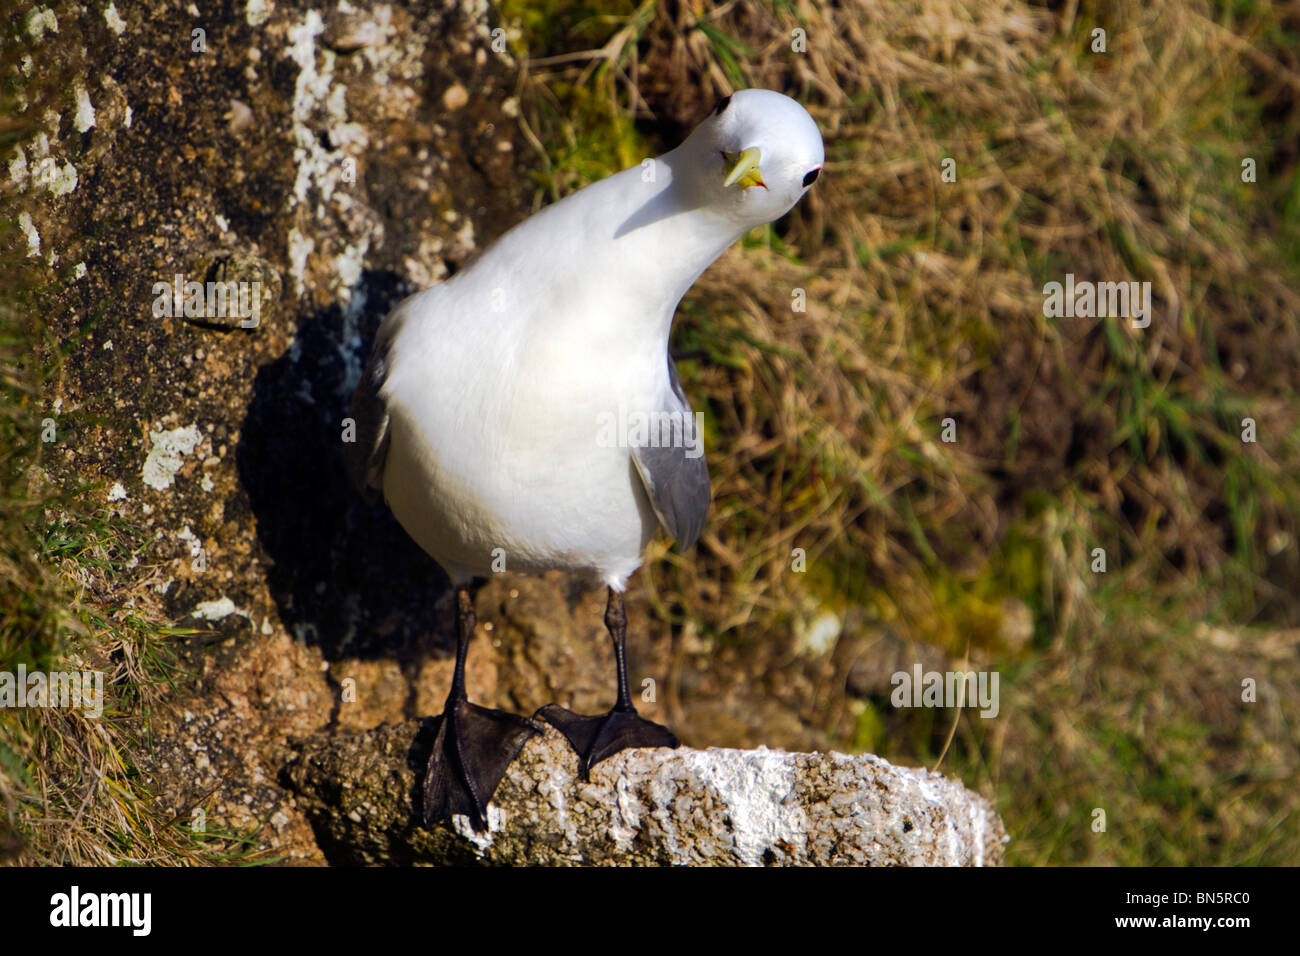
[(525, 415)]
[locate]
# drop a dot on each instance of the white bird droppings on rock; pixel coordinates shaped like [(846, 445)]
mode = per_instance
[(258, 12), (18, 167), (239, 116), (85, 117), (481, 841), (29, 232), (758, 787), (115, 22), (165, 458), (61, 180), (215, 610), (300, 247), (41, 21)]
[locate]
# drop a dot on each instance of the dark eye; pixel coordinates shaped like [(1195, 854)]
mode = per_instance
[(721, 105), (811, 177)]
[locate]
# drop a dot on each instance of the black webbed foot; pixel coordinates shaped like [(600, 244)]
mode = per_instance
[(474, 747), (597, 737)]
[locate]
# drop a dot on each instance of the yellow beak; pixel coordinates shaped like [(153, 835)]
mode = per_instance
[(744, 168)]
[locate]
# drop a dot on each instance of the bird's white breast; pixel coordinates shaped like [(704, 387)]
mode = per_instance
[(495, 454)]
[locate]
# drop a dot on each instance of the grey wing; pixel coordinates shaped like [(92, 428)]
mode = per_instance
[(364, 457), (674, 472)]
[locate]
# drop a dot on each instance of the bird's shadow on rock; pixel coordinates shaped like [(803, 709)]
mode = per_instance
[(344, 575)]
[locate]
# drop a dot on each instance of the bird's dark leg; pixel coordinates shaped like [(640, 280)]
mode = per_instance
[(474, 746), (596, 737)]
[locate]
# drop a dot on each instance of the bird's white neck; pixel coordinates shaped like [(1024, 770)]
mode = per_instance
[(661, 233)]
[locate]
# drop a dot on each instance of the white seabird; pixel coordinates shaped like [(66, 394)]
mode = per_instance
[(491, 414)]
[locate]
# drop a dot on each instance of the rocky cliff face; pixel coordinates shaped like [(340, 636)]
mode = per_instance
[(333, 158)]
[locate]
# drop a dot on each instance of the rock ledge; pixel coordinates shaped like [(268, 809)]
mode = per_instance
[(642, 807)]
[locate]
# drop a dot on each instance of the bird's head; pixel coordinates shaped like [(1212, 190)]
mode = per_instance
[(759, 152)]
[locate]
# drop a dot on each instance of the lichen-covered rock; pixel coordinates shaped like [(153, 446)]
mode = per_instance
[(326, 160), (642, 807)]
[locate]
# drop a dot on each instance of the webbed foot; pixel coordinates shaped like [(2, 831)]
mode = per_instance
[(600, 736)]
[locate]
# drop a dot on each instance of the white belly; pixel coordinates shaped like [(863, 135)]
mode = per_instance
[(505, 469)]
